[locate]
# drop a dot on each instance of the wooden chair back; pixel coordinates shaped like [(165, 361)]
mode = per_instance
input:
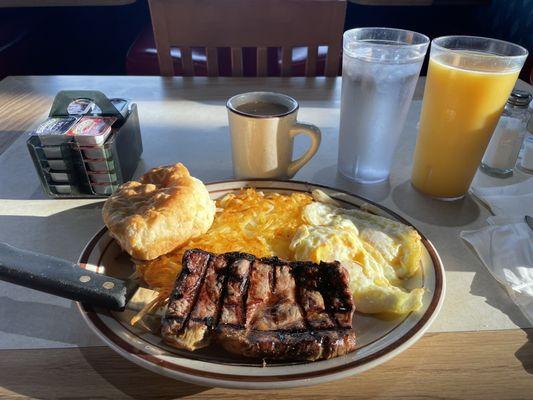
[(235, 24)]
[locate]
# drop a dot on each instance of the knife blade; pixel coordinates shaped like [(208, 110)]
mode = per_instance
[(65, 279)]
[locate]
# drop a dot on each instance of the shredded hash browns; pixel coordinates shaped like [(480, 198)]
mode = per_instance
[(250, 221)]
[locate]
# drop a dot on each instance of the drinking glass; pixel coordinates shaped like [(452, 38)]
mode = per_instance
[(380, 67), (469, 81)]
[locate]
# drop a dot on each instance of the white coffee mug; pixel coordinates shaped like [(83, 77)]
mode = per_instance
[(262, 140)]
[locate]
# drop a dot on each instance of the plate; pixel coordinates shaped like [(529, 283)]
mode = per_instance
[(378, 339)]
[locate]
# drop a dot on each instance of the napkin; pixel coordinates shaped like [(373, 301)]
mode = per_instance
[(506, 249), (505, 246), (514, 199)]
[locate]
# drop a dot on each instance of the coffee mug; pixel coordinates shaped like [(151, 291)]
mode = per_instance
[(262, 127)]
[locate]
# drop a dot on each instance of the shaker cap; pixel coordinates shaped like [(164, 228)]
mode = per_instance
[(520, 98)]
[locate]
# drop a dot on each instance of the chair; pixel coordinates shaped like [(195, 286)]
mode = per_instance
[(238, 25), (141, 59)]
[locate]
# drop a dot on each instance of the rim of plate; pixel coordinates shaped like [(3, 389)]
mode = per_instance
[(158, 365)]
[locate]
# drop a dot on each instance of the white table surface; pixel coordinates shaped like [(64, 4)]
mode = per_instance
[(184, 119)]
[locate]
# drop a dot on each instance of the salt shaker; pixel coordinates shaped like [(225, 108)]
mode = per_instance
[(502, 152)]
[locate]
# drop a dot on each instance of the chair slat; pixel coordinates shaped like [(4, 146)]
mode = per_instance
[(333, 60), (236, 61), (212, 61), (166, 67), (186, 61), (310, 65), (262, 62), (286, 60)]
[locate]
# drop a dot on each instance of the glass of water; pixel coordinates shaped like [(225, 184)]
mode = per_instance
[(380, 68)]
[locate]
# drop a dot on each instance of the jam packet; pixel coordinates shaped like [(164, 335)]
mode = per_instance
[(92, 131), (53, 131)]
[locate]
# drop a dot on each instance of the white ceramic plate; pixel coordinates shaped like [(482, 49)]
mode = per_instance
[(378, 340)]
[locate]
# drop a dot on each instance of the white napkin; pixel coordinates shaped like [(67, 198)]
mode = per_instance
[(506, 245), (514, 199), (506, 249)]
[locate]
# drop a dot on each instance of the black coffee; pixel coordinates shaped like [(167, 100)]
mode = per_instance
[(263, 108)]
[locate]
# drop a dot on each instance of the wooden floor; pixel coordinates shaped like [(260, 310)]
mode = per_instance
[(469, 365)]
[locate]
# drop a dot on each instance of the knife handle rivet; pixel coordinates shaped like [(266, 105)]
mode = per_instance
[(85, 278), (108, 285)]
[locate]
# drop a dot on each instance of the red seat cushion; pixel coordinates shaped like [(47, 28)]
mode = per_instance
[(142, 59)]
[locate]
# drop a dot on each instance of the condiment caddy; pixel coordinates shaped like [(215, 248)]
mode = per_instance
[(88, 145)]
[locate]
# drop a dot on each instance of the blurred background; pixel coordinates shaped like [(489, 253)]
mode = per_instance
[(114, 37)]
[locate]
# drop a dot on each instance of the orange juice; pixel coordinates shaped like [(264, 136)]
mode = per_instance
[(461, 107)]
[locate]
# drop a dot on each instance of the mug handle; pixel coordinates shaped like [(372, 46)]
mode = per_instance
[(314, 134)]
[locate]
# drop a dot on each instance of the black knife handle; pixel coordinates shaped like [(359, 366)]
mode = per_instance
[(62, 278)]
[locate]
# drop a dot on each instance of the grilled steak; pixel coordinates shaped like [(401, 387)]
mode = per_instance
[(261, 308)]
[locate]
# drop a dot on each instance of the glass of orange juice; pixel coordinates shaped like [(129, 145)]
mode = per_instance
[(468, 82)]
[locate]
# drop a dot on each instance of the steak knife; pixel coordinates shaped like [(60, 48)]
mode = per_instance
[(64, 279)]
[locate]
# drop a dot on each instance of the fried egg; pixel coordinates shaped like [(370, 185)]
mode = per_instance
[(379, 254)]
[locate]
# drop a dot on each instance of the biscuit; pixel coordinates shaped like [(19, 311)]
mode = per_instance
[(162, 211)]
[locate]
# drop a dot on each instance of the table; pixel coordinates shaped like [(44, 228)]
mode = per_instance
[(479, 347)]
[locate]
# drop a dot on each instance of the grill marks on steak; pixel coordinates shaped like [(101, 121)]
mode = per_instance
[(233, 311), (271, 302), (182, 301), (261, 308), (340, 300), (204, 314)]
